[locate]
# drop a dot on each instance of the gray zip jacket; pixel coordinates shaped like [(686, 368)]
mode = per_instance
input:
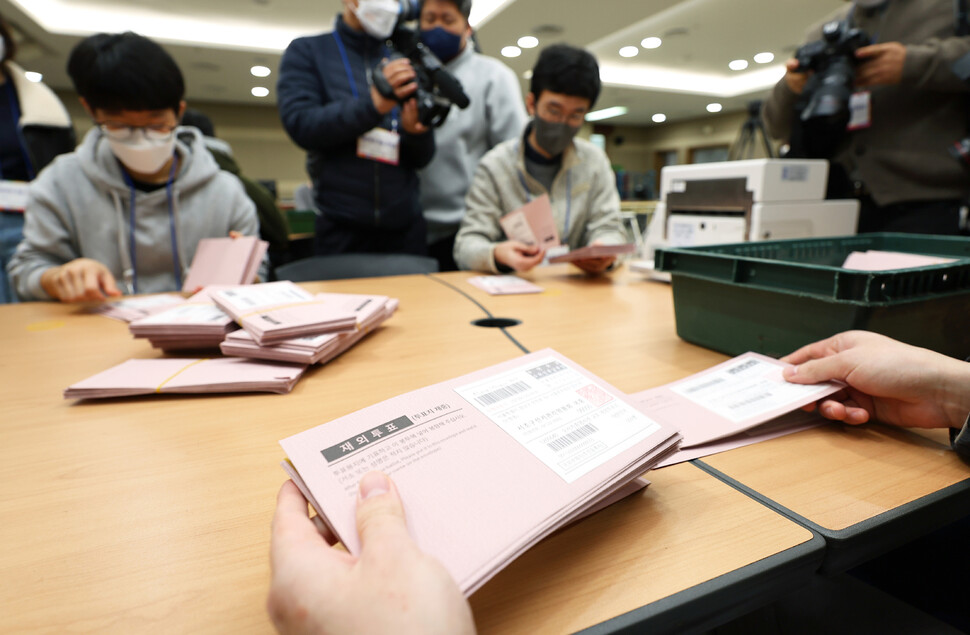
[(592, 202), (80, 207)]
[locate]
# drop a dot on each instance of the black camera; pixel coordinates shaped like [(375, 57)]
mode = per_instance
[(822, 112), (437, 88)]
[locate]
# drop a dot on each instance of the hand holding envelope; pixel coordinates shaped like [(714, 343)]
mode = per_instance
[(531, 230)]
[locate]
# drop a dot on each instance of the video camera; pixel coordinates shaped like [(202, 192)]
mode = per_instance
[(437, 88), (822, 113)]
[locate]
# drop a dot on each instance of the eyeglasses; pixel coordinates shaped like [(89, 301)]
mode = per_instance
[(555, 114), (122, 132)]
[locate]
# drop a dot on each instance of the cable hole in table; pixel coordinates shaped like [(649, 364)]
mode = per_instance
[(496, 322)]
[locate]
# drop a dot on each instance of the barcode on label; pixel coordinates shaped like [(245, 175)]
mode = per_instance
[(568, 439), (499, 394), (706, 384), (749, 401)]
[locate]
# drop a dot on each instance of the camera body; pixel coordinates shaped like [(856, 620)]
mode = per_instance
[(822, 112), (437, 89)]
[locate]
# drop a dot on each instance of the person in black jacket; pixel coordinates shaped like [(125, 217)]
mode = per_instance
[(363, 150), (34, 128)]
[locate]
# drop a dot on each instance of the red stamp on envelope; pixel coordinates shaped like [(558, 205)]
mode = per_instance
[(595, 395)]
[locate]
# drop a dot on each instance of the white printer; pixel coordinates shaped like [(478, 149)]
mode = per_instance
[(739, 201)]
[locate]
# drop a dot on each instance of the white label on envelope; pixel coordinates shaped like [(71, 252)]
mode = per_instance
[(188, 314), (264, 295), (13, 195), (744, 390), (563, 418), (860, 109), (380, 145)]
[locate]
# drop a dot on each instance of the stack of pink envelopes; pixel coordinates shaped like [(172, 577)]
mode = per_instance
[(195, 324), (280, 311), (172, 375), (370, 310)]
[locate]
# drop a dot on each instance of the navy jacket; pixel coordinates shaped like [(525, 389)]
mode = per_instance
[(321, 114)]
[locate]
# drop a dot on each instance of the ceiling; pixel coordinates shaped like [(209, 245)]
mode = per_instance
[(217, 41)]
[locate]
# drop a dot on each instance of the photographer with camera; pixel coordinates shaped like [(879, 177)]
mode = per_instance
[(363, 148), (876, 95), (496, 114)]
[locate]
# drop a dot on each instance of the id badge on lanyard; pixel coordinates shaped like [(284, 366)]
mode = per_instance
[(860, 110), (381, 145)]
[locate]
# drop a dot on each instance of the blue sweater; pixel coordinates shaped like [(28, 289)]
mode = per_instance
[(321, 114)]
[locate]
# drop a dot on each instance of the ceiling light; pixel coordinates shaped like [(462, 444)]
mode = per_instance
[(511, 51), (33, 77), (659, 118), (651, 42), (606, 113), (715, 107), (260, 71), (764, 58), (629, 51), (527, 74), (528, 42), (485, 10), (718, 85), (260, 91), (738, 65)]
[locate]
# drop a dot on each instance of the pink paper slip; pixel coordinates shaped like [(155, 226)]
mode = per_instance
[(504, 285), (281, 310), (227, 261), (487, 464), (723, 406), (133, 308), (874, 260), (594, 251), (532, 224), (168, 375)]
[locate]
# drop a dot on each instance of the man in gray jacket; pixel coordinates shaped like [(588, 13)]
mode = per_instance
[(546, 159), (909, 107), (495, 114), (133, 201)]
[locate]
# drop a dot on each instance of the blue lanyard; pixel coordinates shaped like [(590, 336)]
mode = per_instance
[(569, 195), (353, 83), (15, 109), (132, 249)]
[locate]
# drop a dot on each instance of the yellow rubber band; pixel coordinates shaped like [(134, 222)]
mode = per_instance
[(188, 366)]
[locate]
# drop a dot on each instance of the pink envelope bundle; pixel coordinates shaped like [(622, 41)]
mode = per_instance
[(371, 312), (172, 375), (281, 310), (196, 324), (487, 464)]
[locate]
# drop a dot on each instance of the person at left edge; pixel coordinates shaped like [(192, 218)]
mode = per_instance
[(363, 150), (34, 128), (126, 210)]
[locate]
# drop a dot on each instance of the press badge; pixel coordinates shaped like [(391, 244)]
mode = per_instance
[(860, 110), (14, 194), (381, 145)]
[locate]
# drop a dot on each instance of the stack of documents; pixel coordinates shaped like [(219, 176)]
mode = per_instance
[(130, 309), (280, 311), (196, 324), (168, 375), (228, 261), (739, 402), (487, 464), (371, 312), (594, 251), (874, 260)]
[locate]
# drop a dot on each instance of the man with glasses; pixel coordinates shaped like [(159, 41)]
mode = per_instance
[(546, 159), (125, 212)]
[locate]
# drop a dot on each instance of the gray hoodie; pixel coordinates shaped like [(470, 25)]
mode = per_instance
[(79, 207)]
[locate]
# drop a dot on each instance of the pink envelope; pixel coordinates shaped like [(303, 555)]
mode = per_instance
[(532, 224), (225, 261), (594, 251), (487, 464), (504, 285)]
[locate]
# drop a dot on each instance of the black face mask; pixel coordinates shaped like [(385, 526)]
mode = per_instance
[(554, 138)]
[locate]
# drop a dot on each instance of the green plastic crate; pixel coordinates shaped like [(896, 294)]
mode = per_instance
[(776, 296)]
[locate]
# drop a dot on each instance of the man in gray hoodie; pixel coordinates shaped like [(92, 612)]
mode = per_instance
[(125, 211)]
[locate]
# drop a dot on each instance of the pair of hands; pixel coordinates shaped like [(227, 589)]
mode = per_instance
[(879, 65), (402, 78), (885, 380), (522, 257), (391, 587)]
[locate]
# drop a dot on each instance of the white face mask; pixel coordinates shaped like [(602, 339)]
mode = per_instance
[(378, 17), (141, 154)]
